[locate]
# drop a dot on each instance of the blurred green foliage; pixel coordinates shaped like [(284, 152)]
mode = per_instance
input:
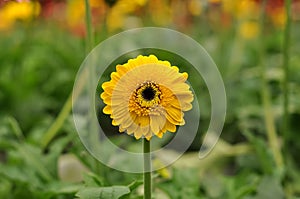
[(38, 67)]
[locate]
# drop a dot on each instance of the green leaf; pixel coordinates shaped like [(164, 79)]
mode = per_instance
[(262, 151), (92, 180), (113, 192), (135, 184), (184, 184), (54, 153), (16, 129), (34, 158), (269, 187), (56, 188)]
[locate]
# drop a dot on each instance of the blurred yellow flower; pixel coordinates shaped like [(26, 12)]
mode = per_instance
[(214, 1), (13, 11), (250, 9), (241, 8), (278, 17), (164, 172), (195, 7), (249, 29), (161, 12), (119, 12), (75, 12), (75, 15), (247, 9), (147, 97)]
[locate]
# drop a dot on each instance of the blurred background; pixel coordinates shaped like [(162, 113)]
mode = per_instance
[(254, 43)]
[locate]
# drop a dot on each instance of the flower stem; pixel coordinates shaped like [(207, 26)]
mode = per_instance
[(147, 169), (65, 111), (58, 123), (266, 98), (89, 26), (286, 47)]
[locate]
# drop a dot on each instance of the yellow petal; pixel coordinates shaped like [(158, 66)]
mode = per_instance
[(153, 59), (121, 69), (186, 106), (115, 123), (115, 76), (174, 115), (160, 134), (119, 112), (107, 110), (185, 97), (106, 85), (126, 121), (107, 100), (170, 127), (138, 133), (132, 128), (185, 75), (165, 63), (180, 88), (104, 95), (148, 137), (146, 130), (175, 68), (142, 121), (157, 122)]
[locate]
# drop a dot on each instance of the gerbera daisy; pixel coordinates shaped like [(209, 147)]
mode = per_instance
[(147, 97)]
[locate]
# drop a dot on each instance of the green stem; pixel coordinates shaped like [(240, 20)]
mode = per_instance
[(65, 111), (89, 26), (90, 45), (286, 47), (147, 169), (91, 73), (266, 99), (57, 124)]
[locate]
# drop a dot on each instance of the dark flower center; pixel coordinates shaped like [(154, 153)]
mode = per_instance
[(110, 2), (148, 93)]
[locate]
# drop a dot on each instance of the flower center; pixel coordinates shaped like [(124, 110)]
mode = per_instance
[(145, 98), (148, 94)]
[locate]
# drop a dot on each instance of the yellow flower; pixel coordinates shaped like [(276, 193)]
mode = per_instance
[(116, 17), (164, 172), (195, 7), (13, 11), (161, 12), (241, 8), (249, 29), (75, 11), (147, 97), (278, 17)]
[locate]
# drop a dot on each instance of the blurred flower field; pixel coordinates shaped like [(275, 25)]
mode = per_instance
[(254, 43)]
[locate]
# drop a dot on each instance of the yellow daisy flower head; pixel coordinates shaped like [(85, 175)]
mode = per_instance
[(147, 97)]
